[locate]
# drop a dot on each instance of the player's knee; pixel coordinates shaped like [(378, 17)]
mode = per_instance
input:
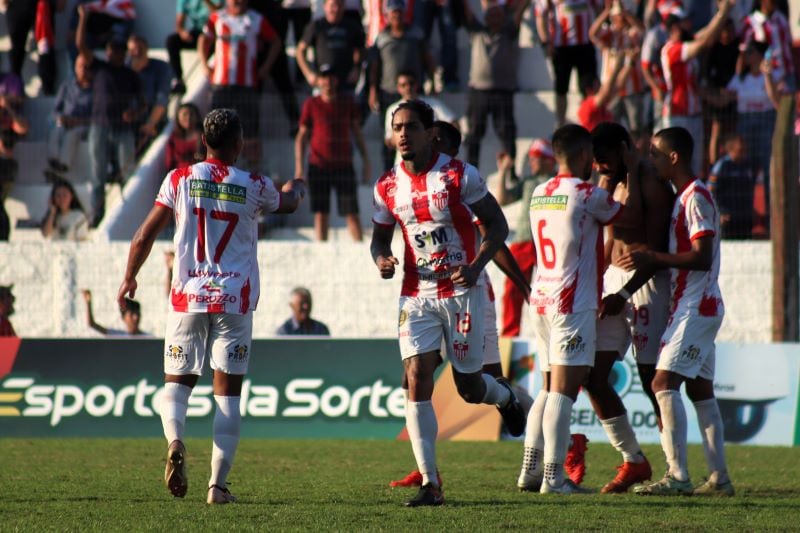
[(470, 389)]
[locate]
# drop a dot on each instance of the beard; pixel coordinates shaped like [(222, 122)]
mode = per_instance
[(408, 156)]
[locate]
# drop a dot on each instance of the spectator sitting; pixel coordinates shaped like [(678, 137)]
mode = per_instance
[(408, 88), (131, 316), (301, 322), (11, 98), (155, 76), (185, 145), (107, 20), (6, 310), (190, 20), (732, 182), (73, 112), (65, 219), (8, 174)]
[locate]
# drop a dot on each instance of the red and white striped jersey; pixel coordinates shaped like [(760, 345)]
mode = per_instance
[(237, 39), (216, 210), (774, 31), (680, 74), (695, 215), (432, 208), (654, 41), (567, 215), (568, 21), (614, 44)]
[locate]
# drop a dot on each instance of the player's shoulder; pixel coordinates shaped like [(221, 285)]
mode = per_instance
[(387, 183)]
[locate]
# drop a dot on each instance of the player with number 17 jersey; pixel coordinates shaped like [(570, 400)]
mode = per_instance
[(215, 268)]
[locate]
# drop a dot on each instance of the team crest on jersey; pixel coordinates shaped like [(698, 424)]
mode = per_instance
[(460, 349), (238, 354), (439, 199), (640, 341), (176, 353), (691, 353), (575, 345)]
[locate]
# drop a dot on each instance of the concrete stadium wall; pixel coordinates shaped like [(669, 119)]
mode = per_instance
[(348, 294)]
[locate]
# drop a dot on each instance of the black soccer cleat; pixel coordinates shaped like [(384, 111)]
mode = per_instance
[(512, 412), (427, 495)]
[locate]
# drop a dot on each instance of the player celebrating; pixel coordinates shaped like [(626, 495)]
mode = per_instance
[(433, 198), (696, 311), (567, 213), (215, 288), (646, 316)]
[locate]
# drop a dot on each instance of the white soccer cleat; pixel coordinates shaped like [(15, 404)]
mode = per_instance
[(529, 482), (219, 495), (567, 487)]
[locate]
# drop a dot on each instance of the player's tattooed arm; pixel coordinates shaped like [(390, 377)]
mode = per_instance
[(492, 218), (381, 250)]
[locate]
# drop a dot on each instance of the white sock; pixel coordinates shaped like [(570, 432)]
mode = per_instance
[(555, 426), (673, 436), (710, 421), (422, 431), (534, 438), (174, 404), (495, 393), (227, 422), (623, 439)]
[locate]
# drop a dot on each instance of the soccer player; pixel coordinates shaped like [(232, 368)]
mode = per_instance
[(215, 288), (567, 213), (645, 317), (433, 198), (696, 311)]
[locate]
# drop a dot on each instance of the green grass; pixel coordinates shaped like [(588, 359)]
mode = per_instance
[(116, 484)]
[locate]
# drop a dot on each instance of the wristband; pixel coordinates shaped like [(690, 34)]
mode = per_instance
[(623, 293)]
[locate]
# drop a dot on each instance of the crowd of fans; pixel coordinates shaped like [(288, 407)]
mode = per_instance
[(718, 72)]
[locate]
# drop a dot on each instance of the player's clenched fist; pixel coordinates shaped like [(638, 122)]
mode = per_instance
[(464, 276), (386, 266)]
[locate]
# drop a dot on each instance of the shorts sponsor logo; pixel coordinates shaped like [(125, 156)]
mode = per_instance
[(460, 349), (212, 298), (549, 203), (574, 345), (176, 353), (402, 318), (238, 354), (227, 192), (692, 353), (439, 200)]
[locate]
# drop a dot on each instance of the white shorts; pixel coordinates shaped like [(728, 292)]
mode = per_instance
[(225, 338), (643, 320), (565, 340), (424, 322), (491, 343), (688, 345)]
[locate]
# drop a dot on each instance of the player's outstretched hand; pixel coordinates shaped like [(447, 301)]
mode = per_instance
[(464, 276), (634, 260), (386, 266), (612, 305), (128, 288)]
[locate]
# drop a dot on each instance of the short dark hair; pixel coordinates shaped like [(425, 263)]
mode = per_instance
[(131, 306), (608, 136), (408, 74), (424, 111), (678, 140), (449, 134), (222, 128), (570, 140)]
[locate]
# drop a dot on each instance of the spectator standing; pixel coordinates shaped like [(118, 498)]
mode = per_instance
[(327, 123), (117, 103), (732, 183), (185, 144), (107, 20), (301, 322), (654, 40), (563, 27), (398, 48), (8, 174), (22, 16), (190, 19), (594, 107), (718, 70), (6, 310), (72, 116), (238, 35), (155, 76), (376, 18), (441, 11), (494, 56), (65, 219), (541, 167), (769, 25)]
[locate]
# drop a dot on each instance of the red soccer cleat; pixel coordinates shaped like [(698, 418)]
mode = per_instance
[(414, 479), (575, 464), (628, 474)]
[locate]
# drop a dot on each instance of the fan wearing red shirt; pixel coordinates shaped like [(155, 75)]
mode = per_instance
[(327, 123), (594, 106)]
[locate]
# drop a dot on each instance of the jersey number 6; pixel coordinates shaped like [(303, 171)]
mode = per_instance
[(545, 245)]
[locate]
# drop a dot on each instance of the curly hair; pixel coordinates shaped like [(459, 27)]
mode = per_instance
[(222, 128)]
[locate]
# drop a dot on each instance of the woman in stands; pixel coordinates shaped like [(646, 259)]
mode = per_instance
[(66, 219), (185, 146)]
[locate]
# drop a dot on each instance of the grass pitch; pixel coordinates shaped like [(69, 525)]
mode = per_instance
[(117, 484)]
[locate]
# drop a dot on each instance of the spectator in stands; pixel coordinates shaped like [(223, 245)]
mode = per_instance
[(131, 316), (117, 104), (338, 42), (191, 18), (65, 219), (541, 167), (155, 76), (597, 96), (654, 41), (22, 16), (8, 174), (398, 48), (106, 21), (185, 145), (493, 74), (408, 88), (6, 310), (563, 27), (11, 99), (301, 322), (72, 115), (297, 14), (441, 11), (234, 80), (617, 32), (719, 67), (682, 106), (732, 183), (768, 24), (376, 18), (327, 123)]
